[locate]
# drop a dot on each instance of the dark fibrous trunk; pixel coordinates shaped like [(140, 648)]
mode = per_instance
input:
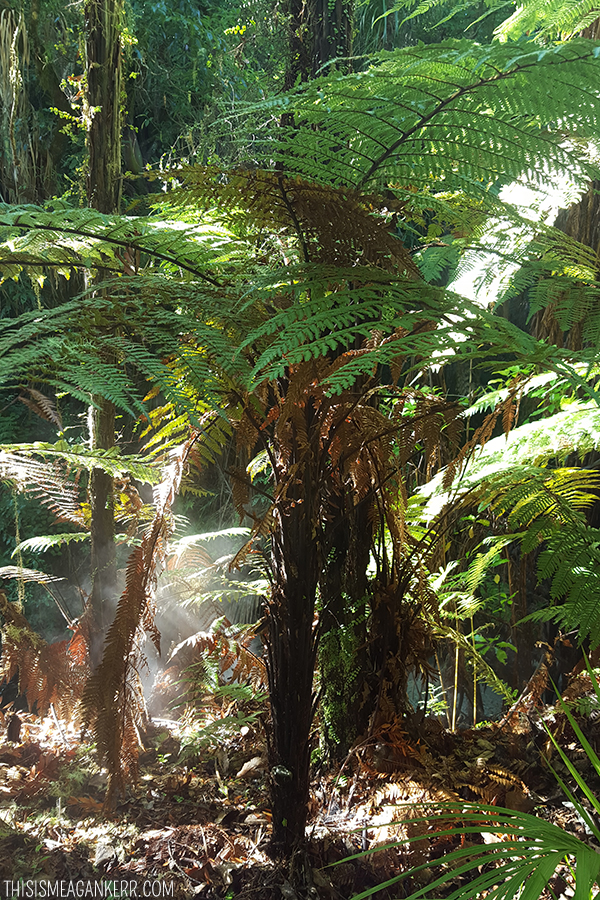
[(291, 657)]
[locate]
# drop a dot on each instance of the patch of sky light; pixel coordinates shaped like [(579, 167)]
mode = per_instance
[(483, 277)]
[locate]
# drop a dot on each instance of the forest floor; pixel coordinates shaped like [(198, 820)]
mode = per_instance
[(197, 822)]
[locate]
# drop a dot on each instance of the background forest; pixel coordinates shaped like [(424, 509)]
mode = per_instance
[(299, 408)]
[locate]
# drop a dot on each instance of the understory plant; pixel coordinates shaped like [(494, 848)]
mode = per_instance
[(520, 852)]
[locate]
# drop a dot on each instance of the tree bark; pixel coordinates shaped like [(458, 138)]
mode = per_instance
[(103, 556), (319, 32), (103, 19), (580, 221)]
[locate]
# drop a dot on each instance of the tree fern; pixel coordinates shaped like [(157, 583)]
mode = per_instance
[(276, 356)]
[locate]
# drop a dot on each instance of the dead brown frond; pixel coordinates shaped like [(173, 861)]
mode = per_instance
[(489, 793), (113, 700), (42, 406), (49, 674), (333, 225), (503, 776)]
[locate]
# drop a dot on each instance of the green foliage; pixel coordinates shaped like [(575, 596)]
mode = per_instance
[(385, 24), (75, 457), (192, 62), (210, 730), (560, 19), (571, 559), (341, 677), (542, 20), (540, 505), (456, 114), (45, 542), (458, 603)]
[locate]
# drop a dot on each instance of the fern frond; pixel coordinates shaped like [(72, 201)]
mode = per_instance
[(504, 459), (113, 699), (47, 481), (228, 645), (28, 575), (43, 406), (49, 674), (549, 19), (85, 237), (571, 559), (538, 19), (482, 562), (44, 542), (76, 457), (185, 551), (456, 112)]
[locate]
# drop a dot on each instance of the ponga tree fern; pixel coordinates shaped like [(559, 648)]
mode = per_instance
[(310, 358)]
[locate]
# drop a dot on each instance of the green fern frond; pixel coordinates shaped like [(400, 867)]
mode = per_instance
[(181, 549), (482, 562), (85, 237), (44, 542), (571, 559), (549, 19), (77, 457), (458, 112), (524, 452), (47, 481)]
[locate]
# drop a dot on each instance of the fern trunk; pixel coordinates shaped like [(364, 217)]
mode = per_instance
[(343, 657), (291, 657)]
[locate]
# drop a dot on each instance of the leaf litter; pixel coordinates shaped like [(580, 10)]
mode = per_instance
[(199, 819)]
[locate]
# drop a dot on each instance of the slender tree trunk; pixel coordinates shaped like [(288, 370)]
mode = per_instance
[(103, 21), (103, 557)]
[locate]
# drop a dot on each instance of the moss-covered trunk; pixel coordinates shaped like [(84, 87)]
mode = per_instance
[(103, 22)]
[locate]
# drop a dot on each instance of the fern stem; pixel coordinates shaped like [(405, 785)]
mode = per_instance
[(455, 698), (444, 692)]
